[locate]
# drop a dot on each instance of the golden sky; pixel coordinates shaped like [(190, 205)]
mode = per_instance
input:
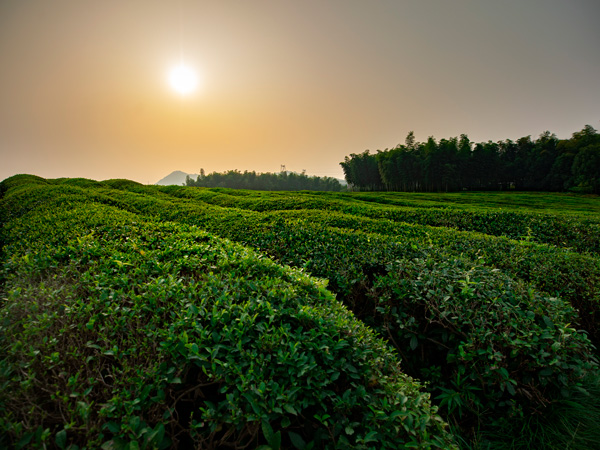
[(84, 86)]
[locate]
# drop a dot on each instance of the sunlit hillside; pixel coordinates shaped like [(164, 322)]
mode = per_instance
[(155, 317)]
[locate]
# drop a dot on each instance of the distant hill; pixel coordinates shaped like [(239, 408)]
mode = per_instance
[(177, 178)]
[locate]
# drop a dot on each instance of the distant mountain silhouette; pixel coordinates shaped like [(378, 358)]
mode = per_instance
[(177, 178)]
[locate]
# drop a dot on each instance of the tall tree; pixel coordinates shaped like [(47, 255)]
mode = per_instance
[(453, 164), (586, 169), (363, 171)]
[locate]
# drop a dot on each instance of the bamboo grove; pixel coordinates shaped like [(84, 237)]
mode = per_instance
[(456, 164)]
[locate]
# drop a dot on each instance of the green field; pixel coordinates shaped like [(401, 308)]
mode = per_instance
[(155, 317), (554, 203)]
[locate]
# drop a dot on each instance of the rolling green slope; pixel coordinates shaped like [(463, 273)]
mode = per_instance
[(495, 308), (118, 331)]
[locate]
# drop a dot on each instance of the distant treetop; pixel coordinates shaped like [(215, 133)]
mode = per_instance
[(283, 181), (455, 164)]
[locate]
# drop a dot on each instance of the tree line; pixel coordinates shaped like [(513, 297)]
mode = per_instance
[(544, 164), (282, 181)]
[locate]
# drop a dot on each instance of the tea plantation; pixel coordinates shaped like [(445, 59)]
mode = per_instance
[(152, 317)]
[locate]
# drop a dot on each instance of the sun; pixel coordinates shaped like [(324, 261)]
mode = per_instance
[(183, 79)]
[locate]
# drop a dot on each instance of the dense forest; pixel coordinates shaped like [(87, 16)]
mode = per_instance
[(544, 164), (283, 181)]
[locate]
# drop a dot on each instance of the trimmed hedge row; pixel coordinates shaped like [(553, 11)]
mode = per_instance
[(363, 269), (120, 332), (483, 341), (572, 276), (569, 275), (569, 231), (474, 385)]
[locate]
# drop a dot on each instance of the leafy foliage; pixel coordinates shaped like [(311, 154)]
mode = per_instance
[(494, 325), (364, 279), (484, 342), (283, 181), (123, 332), (572, 276), (546, 164), (579, 232)]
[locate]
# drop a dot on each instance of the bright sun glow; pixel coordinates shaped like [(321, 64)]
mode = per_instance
[(183, 79)]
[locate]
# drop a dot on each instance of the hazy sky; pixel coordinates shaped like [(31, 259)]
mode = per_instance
[(84, 90)]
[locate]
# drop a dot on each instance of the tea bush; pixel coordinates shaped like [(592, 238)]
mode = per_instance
[(572, 276), (570, 231), (482, 318), (484, 342), (120, 332), (355, 263)]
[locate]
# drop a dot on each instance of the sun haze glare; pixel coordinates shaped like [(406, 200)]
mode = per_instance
[(183, 79)]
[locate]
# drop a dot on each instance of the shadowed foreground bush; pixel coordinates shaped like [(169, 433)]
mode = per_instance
[(122, 334), (493, 348), (485, 342), (488, 344)]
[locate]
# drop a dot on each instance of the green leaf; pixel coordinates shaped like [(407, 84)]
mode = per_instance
[(510, 388), (113, 427), (24, 441), (414, 342), (370, 437), (267, 431), (290, 409), (61, 438), (155, 437), (274, 439), (297, 440), (115, 444)]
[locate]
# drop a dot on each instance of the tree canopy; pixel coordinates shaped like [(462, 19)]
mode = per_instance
[(283, 181), (544, 164)]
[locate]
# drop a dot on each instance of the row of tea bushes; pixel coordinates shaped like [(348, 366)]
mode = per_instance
[(485, 342), (579, 232), (569, 231), (364, 269), (476, 367), (572, 276), (547, 202), (117, 331), (355, 262)]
